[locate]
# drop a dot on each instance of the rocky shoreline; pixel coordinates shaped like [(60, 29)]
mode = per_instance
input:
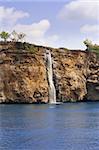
[(23, 77)]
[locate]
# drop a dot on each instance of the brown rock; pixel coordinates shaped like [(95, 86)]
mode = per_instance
[(23, 77)]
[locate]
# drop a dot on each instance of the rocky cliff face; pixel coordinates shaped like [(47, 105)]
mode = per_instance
[(93, 77), (23, 77), (70, 75), (76, 75)]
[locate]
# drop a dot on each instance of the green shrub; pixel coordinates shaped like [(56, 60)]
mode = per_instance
[(4, 35), (26, 46), (92, 47)]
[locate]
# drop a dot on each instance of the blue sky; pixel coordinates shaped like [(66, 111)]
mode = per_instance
[(52, 23)]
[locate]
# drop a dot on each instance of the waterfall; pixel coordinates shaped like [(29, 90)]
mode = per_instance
[(52, 90)]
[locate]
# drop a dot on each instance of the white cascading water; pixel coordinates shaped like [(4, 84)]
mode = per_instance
[(52, 90)]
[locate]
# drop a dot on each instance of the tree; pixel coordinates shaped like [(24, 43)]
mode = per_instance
[(14, 36), (92, 47), (17, 36), (4, 35), (21, 36), (88, 44)]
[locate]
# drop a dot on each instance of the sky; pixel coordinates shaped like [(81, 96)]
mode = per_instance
[(55, 23)]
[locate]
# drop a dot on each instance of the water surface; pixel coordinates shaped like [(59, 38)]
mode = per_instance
[(71, 126)]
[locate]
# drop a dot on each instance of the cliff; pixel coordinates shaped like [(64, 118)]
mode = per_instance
[(23, 77)]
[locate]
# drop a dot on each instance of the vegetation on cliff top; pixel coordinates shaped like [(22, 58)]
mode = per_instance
[(26, 46), (18, 38), (92, 47), (4, 35), (14, 36)]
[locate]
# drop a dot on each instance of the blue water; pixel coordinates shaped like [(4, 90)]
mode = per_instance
[(71, 126)]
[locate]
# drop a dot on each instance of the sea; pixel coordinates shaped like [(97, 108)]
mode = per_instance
[(69, 126)]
